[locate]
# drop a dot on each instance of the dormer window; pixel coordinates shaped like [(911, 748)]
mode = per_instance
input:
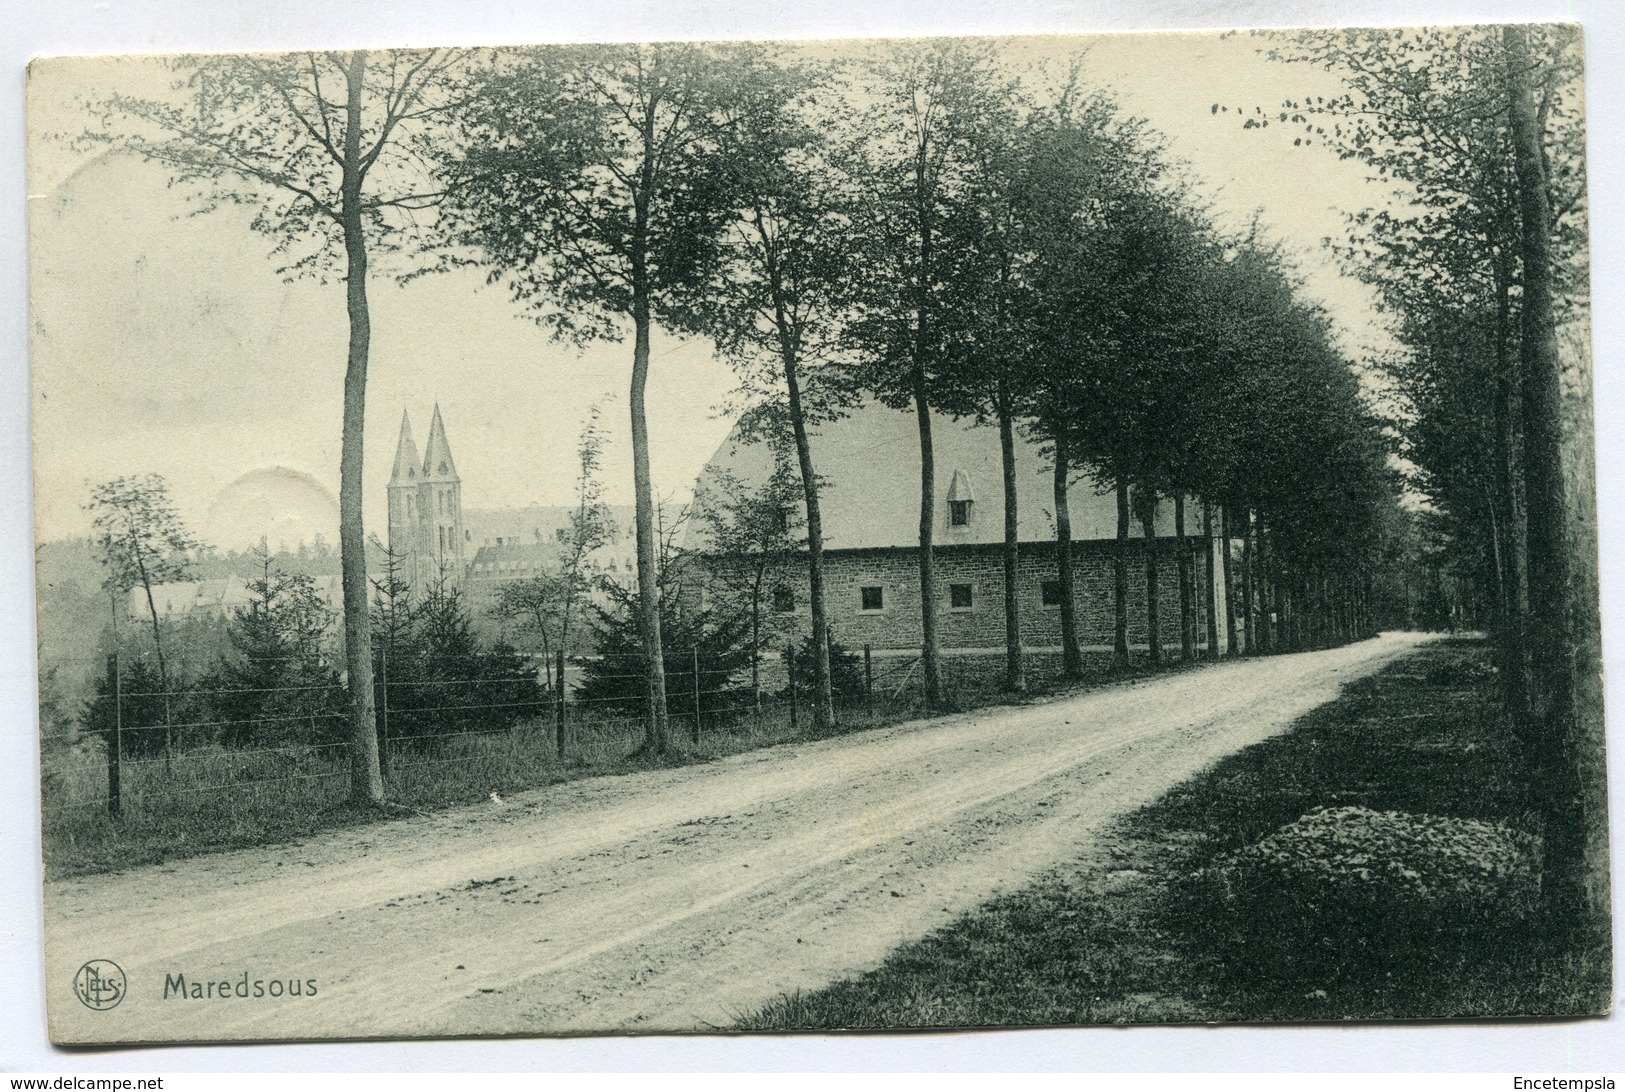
[(442, 466), (960, 499)]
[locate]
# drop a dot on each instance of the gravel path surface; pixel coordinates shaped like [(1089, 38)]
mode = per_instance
[(669, 900)]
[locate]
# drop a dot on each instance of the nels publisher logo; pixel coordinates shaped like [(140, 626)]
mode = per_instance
[(99, 984)]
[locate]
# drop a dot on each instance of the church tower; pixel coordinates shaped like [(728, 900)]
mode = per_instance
[(405, 534), (440, 499), (426, 508)]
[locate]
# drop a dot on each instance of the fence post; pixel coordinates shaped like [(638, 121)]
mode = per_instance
[(558, 703), (696, 662), (790, 673), (818, 696), (115, 751), (869, 679), (383, 711)]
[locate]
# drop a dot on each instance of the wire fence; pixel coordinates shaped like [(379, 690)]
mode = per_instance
[(177, 758)]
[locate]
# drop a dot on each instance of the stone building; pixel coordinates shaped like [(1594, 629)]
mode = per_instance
[(426, 507), (479, 549), (870, 469)]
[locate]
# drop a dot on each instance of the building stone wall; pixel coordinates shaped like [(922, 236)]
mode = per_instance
[(981, 625)]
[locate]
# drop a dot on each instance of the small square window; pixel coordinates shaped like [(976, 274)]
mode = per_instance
[(959, 596), (959, 513), (784, 600), (872, 597), (1050, 590)]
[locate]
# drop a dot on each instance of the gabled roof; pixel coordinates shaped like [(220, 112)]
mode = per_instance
[(869, 465), (437, 462), (406, 454), (537, 523), (515, 560)]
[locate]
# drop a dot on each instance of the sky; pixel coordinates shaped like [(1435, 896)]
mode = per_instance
[(165, 341)]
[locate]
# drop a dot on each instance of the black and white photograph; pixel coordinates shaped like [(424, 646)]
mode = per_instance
[(865, 534)]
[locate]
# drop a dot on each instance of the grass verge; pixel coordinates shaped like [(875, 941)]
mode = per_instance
[(212, 798), (1132, 934)]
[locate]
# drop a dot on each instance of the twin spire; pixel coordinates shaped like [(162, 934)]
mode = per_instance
[(436, 464)]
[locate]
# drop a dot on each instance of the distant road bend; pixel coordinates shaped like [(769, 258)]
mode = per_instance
[(668, 900)]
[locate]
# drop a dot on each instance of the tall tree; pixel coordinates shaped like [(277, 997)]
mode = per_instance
[(1025, 298), (533, 604), (329, 149), (995, 233), (547, 604), (1551, 630), (910, 163), (752, 542), (590, 181), (591, 527), (1090, 177), (784, 290), (1479, 132), (143, 543)]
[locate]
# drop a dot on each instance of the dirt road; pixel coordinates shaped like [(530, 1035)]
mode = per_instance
[(670, 900)]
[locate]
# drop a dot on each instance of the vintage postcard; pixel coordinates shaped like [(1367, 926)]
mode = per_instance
[(701, 537)]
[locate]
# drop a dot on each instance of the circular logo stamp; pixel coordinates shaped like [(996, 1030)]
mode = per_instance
[(99, 984)]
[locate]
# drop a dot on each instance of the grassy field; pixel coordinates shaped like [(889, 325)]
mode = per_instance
[(211, 798), (1136, 932)]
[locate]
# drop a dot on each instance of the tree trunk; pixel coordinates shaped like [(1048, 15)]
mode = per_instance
[(547, 656), (366, 778), (1249, 584), (755, 642), (1153, 609), (823, 700), (1071, 653), (1513, 540), (1559, 785), (157, 646), (1211, 592), (655, 729), (1187, 584), (1231, 644), (1120, 578), (931, 669), (1261, 576), (1015, 671), (655, 736)]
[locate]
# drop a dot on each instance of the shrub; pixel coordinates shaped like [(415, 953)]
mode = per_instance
[(138, 713), (1345, 881), (614, 680), (845, 670)]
